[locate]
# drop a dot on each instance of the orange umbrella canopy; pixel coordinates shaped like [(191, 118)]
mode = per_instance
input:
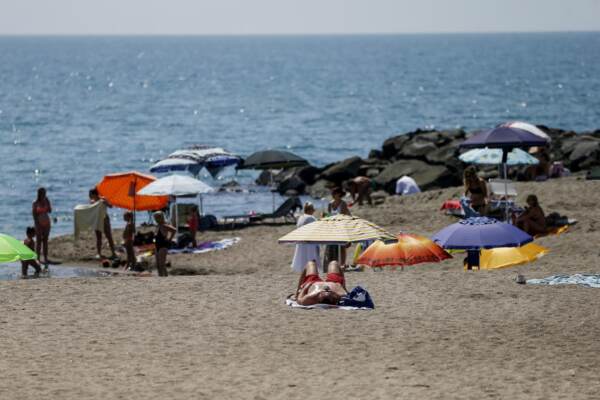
[(121, 189), (409, 250)]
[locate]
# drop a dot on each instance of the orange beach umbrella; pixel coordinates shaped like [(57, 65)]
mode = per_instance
[(409, 250), (121, 189)]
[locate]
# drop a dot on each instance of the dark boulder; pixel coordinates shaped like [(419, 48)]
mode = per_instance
[(343, 170), (585, 154), (416, 148), (320, 188), (292, 184), (427, 176), (443, 154), (392, 146)]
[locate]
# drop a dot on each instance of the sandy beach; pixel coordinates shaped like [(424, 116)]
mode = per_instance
[(437, 332)]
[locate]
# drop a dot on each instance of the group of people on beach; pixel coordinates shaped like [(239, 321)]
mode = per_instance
[(37, 236), (532, 219)]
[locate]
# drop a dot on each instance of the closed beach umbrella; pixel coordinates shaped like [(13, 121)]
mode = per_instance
[(175, 185), (488, 156), (503, 257), (337, 230), (409, 250), (121, 190), (12, 250), (526, 126), (480, 233), (273, 159)]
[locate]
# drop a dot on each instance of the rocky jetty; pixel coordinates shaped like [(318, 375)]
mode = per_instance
[(430, 157)]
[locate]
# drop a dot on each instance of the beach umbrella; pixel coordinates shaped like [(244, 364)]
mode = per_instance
[(336, 230), (505, 138), (526, 126), (12, 250), (487, 156), (272, 159), (408, 250), (476, 233), (480, 233), (176, 185), (194, 158), (502, 257), (121, 189)]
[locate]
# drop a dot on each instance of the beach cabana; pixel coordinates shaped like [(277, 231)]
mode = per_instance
[(337, 230), (12, 250), (408, 250), (476, 233)]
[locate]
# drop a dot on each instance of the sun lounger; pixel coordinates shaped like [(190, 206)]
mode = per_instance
[(500, 188), (285, 211)]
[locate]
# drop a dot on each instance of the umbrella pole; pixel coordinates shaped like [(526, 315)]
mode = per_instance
[(271, 187), (504, 165), (201, 206), (176, 218)]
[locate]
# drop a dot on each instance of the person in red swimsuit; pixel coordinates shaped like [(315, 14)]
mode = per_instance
[(314, 290), (41, 208)]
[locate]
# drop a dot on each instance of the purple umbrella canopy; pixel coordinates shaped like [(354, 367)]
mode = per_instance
[(480, 233), (504, 137)]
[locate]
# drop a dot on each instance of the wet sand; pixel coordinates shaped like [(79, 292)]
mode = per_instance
[(437, 332)]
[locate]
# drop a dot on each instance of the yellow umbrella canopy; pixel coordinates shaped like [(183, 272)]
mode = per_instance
[(502, 257), (337, 229)]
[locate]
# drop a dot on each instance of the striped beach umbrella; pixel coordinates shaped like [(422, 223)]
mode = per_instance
[(337, 230), (408, 250)]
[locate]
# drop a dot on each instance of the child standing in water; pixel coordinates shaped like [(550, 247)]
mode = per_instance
[(128, 239), (30, 242)]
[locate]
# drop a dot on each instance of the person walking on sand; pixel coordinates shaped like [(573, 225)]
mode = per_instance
[(306, 252), (94, 198), (30, 242), (162, 241), (41, 209)]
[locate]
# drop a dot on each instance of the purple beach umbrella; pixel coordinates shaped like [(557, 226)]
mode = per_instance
[(480, 233), (504, 137)]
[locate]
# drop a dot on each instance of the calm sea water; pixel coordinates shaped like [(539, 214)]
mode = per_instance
[(74, 109)]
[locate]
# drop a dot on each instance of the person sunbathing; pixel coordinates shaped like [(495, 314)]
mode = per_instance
[(313, 290), (532, 220)]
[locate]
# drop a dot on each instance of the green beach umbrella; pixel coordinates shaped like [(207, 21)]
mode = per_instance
[(13, 250)]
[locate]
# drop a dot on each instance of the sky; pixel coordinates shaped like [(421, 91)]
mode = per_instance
[(207, 17)]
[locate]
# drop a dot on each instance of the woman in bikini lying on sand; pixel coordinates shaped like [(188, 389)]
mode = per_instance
[(313, 290)]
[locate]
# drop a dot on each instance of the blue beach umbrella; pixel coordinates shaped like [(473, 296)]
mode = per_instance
[(488, 156), (474, 234)]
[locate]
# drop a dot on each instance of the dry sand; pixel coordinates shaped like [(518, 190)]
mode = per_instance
[(437, 332)]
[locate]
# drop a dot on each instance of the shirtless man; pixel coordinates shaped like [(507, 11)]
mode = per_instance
[(360, 189), (313, 290)]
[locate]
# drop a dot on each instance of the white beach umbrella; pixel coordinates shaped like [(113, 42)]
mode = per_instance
[(526, 126), (177, 185)]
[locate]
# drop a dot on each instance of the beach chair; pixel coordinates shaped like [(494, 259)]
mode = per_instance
[(286, 211), (500, 188)]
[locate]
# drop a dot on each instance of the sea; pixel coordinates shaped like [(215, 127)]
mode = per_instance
[(73, 109)]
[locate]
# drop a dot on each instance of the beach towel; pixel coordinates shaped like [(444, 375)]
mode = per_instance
[(357, 299), (205, 247), (588, 280), (88, 217)]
